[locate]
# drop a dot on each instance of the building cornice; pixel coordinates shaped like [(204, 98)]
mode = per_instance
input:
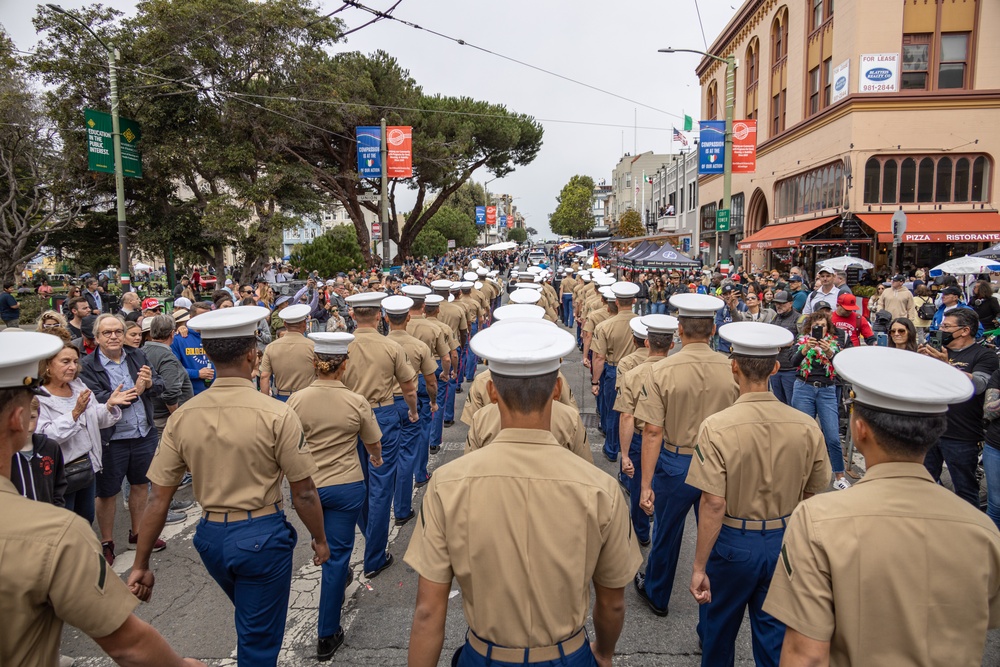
[(735, 33)]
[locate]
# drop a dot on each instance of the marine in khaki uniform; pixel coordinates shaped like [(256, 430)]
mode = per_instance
[(479, 396), (567, 428), (377, 365), (432, 304), (611, 342), (629, 428), (455, 317), (289, 360), (334, 418), (412, 435), (896, 570), (257, 442), (52, 570), (595, 316), (477, 318), (754, 462), (478, 525), (679, 393)]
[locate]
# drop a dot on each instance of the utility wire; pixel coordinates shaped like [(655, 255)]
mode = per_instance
[(704, 39), (462, 42)]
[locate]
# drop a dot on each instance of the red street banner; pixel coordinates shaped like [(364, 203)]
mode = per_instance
[(399, 163), (744, 146), (491, 215), (510, 222)]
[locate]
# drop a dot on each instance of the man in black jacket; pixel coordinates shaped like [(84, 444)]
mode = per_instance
[(783, 381), (128, 445)]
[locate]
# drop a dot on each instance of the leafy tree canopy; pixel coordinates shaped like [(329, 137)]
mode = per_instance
[(574, 214), (517, 234), (335, 251), (630, 224), (456, 225), (429, 243)]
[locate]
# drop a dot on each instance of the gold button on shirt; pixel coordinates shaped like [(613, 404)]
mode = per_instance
[(566, 427), (291, 361), (894, 571), (237, 443), (433, 336), (761, 456), (52, 571), (417, 354), (685, 388), (333, 417), (374, 365), (477, 397), (525, 575), (613, 337)]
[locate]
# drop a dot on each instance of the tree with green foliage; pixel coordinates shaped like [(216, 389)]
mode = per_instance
[(574, 216), (429, 243), (517, 234), (454, 224), (532, 231), (467, 197), (630, 225), (335, 251)]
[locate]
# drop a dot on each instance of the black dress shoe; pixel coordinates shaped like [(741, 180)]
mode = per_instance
[(388, 561), (640, 587), (327, 646), (458, 390), (644, 543), (423, 483), (434, 449), (406, 519), (449, 423)]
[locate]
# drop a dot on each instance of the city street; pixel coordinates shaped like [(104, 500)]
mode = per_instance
[(190, 610)]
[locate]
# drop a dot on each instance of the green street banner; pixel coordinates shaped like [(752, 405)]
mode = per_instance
[(100, 144)]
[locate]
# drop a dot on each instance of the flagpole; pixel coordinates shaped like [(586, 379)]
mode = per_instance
[(642, 202)]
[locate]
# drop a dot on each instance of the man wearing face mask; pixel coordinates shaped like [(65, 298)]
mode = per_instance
[(958, 447)]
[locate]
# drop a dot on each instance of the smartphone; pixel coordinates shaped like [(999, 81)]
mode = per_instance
[(934, 340), (882, 339), (817, 333)]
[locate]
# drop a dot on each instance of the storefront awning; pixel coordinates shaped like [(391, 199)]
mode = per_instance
[(785, 235), (938, 227)]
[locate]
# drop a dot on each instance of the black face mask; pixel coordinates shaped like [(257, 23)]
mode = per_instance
[(947, 337)]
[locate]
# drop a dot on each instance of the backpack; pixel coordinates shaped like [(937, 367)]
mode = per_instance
[(926, 311)]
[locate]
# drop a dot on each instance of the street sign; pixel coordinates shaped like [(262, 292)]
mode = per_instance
[(369, 197), (722, 220), (451, 244), (101, 147), (898, 226), (376, 229)]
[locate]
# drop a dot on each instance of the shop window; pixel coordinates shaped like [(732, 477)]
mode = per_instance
[(815, 190), (908, 181), (925, 179)]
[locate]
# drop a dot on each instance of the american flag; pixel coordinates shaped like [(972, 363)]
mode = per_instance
[(679, 137)]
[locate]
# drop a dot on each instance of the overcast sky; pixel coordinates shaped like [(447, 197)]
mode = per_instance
[(610, 45)]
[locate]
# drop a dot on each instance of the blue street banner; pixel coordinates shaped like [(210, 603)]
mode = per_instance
[(712, 147), (369, 151), (481, 216), (503, 220)]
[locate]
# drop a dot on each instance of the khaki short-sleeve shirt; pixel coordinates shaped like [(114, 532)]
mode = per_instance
[(613, 337), (761, 456), (629, 362), (291, 360), (525, 575), (417, 354), (685, 388), (478, 396), (451, 335), (894, 571), (236, 442), (52, 572), (631, 386), (595, 317), (567, 428), (433, 336), (454, 316), (333, 417), (567, 286), (375, 365)]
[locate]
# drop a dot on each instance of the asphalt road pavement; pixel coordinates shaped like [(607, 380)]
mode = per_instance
[(190, 610)]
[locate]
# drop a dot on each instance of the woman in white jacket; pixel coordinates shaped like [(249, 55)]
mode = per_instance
[(69, 416)]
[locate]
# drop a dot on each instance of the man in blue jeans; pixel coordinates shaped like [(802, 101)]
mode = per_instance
[(959, 446)]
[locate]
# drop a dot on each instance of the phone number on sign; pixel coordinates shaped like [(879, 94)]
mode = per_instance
[(878, 88)]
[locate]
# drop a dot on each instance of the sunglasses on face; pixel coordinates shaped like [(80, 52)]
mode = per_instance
[(898, 331)]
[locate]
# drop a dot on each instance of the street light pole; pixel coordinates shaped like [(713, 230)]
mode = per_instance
[(727, 168), (116, 139)]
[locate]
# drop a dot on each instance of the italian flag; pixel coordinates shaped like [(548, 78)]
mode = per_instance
[(647, 179)]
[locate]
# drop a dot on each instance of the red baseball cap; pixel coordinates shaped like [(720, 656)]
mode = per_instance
[(149, 303), (847, 302)]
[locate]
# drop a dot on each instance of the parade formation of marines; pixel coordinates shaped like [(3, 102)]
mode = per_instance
[(340, 426)]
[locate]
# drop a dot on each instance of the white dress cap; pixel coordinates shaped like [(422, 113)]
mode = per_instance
[(433, 300), (467, 284), (493, 274), (534, 270), (416, 291), (539, 278), (515, 274), (397, 305), (531, 286), (455, 286), (366, 299), (482, 272), (230, 322), (525, 296), (519, 310), (756, 339), (470, 276), (475, 263), (478, 284), (330, 342), (605, 281), (659, 324), (585, 277), (624, 289), (696, 305), (893, 380), (523, 348), (441, 284), (451, 297), (20, 354), (638, 328), (294, 314)]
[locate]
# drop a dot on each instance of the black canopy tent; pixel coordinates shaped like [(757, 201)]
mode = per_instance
[(666, 257), (640, 250)]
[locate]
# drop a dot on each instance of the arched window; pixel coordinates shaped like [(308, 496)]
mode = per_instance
[(908, 181), (779, 75), (872, 175), (962, 180), (712, 102), (779, 36), (942, 192), (889, 174), (979, 172), (925, 181), (752, 61)]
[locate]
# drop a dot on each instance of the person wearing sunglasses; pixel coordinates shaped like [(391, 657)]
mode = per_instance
[(51, 319), (903, 334)]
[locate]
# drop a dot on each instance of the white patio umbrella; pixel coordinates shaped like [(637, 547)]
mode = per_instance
[(140, 266), (967, 265), (845, 262), (502, 245)]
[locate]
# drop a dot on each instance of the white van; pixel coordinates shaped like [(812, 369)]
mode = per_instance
[(536, 257)]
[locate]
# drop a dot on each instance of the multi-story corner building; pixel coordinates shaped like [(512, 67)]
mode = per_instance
[(628, 192), (674, 206), (864, 107)]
